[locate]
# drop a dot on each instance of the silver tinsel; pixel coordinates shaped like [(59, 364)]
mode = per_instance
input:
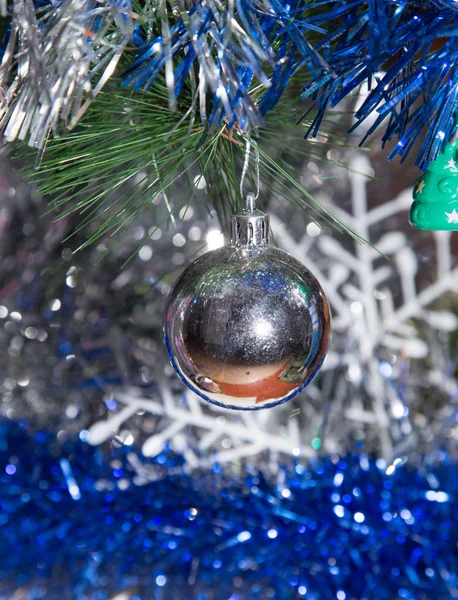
[(56, 62)]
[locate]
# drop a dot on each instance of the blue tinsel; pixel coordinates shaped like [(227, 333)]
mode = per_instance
[(73, 525), (340, 44), (406, 50)]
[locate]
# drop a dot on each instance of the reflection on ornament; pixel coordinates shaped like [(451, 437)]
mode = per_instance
[(247, 326), (436, 193)]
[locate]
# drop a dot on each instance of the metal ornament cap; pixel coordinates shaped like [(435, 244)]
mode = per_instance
[(250, 228), (247, 326)]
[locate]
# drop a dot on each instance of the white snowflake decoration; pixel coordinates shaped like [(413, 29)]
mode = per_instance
[(359, 286)]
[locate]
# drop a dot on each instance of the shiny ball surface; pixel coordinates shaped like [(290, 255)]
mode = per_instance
[(247, 329)]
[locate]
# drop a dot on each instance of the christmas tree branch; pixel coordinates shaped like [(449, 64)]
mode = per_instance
[(130, 147)]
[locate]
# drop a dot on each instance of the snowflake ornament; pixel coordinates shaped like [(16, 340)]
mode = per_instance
[(370, 388)]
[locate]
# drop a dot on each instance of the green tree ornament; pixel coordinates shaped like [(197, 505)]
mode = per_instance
[(435, 195)]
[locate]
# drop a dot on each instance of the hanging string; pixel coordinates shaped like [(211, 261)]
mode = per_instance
[(250, 197)]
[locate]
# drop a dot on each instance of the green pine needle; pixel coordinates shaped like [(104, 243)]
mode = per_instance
[(130, 147)]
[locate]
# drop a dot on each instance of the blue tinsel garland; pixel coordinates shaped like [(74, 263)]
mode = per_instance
[(406, 51), (340, 45), (73, 525)]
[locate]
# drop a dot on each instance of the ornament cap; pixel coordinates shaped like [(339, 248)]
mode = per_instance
[(250, 228)]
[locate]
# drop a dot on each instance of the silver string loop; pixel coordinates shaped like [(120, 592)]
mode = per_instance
[(251, 197)]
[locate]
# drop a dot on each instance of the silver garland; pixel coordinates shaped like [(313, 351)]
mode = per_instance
[(56, 62)]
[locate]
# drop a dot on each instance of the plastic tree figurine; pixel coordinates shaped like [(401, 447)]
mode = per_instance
[(435, 205)]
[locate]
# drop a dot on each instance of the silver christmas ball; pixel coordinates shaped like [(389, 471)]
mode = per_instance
[(247, 326)]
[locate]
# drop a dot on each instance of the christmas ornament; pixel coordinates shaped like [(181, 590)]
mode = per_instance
[(435, 195), (247, 326)]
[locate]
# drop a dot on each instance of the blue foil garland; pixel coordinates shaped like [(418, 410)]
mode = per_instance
[(337, 45), (406, 50), (74, 525)]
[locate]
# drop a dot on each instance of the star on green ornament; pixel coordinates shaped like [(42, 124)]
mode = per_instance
[(452, 217), (435, 205)]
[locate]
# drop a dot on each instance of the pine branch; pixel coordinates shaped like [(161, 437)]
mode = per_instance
[(131, 147)]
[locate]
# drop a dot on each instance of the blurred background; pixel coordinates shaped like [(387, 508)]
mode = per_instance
[(117, 482)]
